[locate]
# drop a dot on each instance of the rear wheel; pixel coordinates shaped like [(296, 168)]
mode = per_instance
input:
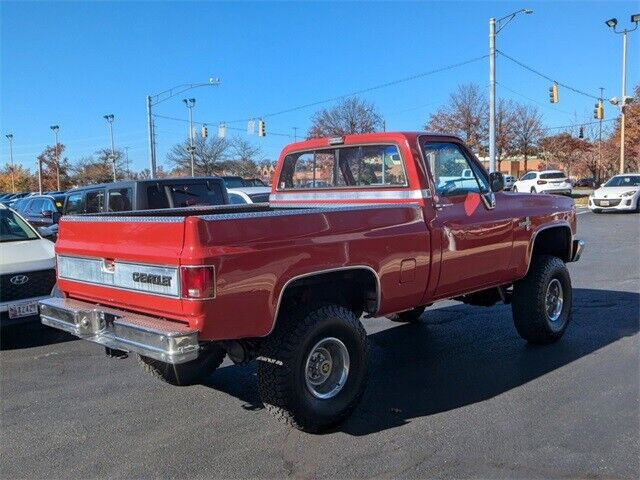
[(515, 189), (410, 316), (188, 373), (312, 369), (542, 300)]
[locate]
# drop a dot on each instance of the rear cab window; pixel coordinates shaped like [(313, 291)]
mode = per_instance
[(363, 166), (186, 194)]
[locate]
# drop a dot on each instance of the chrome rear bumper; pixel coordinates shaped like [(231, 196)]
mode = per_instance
[(170, 342)]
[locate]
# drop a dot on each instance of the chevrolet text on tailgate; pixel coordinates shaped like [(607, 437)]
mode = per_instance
[(374, 225)]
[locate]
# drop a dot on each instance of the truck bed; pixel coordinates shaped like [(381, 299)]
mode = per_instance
[(256, 250)]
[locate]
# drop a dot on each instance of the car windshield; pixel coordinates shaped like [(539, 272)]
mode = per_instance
[(233, 182), (624, 181), (552, 175), (14, 229)]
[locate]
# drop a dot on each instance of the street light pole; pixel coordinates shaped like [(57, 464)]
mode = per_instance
[(110, 118), (55, 129), (494, 28), (624, 100), (153, 100), (190, 103), (13, 183)]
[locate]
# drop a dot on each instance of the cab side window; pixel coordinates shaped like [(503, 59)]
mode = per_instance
[(94, 201), (35, 207), (120, 200), (454, 174)]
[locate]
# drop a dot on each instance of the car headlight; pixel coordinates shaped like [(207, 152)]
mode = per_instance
[(630, 193)]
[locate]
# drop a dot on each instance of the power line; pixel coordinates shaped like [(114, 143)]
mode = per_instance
[(533, 100), (358, 92), (546, 77), (583, 124)]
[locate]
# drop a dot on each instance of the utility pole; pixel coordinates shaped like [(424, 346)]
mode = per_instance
[(39, 175), (13, 183), (55, 129), (152, 146), (599, 166), (494, 28), (624, 100), (190, 103), (295, 134), (126, 161), (110, 118)]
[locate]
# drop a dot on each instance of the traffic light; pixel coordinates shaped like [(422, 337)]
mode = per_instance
[(204, 131), (598, 112), (581, 134), (222, 130), (553, 93), (261, 129)]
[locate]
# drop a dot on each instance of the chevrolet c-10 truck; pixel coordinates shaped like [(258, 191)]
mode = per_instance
[(381, 224)]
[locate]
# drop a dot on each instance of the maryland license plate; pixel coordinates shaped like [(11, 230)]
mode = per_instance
[(23, 310), (604, 203)]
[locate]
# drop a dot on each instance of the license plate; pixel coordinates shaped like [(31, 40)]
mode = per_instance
[(604, 203), (23, 310)]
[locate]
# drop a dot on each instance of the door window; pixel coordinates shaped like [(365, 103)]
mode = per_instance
[(94, 201), (452, 171), (48, 205), (74, 204), (35, 207)]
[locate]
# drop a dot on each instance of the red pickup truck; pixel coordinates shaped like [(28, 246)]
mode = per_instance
[(380, 224)]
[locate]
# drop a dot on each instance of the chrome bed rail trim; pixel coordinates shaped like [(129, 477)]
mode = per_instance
[(170, 342)]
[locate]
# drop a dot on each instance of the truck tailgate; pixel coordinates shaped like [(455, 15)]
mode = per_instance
[(97, 258)]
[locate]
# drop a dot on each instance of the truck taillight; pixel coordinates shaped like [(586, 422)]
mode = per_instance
[(541, 182), (198, 282)]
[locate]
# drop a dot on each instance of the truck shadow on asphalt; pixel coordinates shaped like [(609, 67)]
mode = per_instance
[(460, 355), (29, 335)]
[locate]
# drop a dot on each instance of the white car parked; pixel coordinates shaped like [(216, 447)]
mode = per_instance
[(546, 181), (509, 181), (27, 268), (242, 195), (621, 192)]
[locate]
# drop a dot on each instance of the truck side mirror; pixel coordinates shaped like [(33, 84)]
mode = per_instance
[(496, 181)]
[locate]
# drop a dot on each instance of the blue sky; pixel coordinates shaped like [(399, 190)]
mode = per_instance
[(70, 63)]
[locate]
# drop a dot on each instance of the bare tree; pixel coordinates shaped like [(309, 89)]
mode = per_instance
[(466, 115), (505, 129), (244, 157), (209, 157), (349, 116), (563, 149), (527, 131)]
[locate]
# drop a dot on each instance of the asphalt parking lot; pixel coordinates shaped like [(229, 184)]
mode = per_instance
[(458, 395)]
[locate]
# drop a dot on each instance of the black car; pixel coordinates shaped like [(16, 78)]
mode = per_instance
[(146, 195), (585, 182)]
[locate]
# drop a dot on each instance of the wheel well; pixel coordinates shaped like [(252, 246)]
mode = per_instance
[(554, 241), (356, 289)]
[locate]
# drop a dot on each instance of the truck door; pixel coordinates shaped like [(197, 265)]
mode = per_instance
[(476, 238)]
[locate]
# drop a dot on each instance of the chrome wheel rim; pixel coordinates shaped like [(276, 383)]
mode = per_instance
[(327, 368), (554, 300)]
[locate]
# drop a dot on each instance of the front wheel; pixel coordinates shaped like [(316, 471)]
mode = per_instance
[(533, 190), (542, 301), (312, 369)]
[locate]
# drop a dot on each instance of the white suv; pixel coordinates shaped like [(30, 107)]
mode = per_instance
[(546, 181), (27, 263)]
